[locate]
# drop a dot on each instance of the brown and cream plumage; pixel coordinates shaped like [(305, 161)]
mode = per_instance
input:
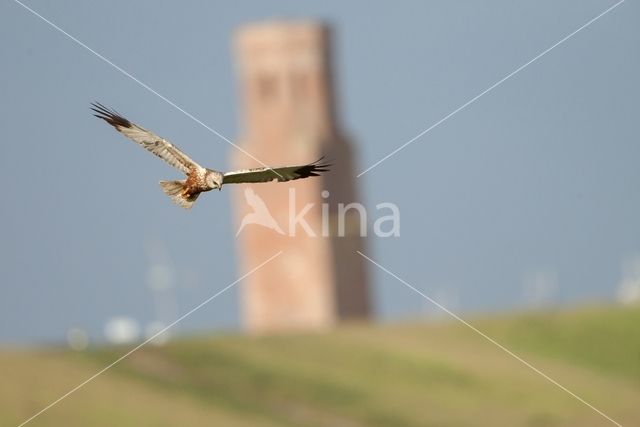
[(199, 179)]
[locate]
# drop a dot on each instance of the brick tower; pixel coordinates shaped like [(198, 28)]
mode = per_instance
[(288, 117)]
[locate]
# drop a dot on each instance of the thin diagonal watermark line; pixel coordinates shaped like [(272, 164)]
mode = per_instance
[(144, 85), (490, 88), (488, 338), (127, 354)]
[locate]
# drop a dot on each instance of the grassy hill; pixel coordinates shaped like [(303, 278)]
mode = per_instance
[(414, 374)]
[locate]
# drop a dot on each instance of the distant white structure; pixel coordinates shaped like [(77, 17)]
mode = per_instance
[(121, 330), (539, 287), (629, 287), (77, 339)]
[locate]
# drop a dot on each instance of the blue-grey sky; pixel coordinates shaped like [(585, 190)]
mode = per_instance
[(537, 178)]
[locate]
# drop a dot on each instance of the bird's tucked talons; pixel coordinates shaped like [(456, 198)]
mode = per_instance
[(190, 196)]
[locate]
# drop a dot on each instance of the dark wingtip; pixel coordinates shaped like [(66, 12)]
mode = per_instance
[(321, 166), (110, 116), (314, 169)]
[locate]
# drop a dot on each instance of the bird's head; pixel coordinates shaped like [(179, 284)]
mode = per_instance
[(214, 179)]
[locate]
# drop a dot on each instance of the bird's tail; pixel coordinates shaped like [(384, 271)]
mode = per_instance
[(174, 189)]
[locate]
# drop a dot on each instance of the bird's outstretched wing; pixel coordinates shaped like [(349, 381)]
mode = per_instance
[(148, 140), (287, 173)]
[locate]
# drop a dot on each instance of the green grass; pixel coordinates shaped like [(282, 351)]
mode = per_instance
[(606, 340), (413, 374)]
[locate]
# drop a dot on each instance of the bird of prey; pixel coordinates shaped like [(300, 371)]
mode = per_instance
[(199, 179)]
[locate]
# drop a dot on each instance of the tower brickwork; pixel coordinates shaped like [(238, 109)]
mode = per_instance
[(289, 117)]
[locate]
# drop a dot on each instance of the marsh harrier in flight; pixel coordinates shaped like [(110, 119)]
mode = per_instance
[(199, 179)]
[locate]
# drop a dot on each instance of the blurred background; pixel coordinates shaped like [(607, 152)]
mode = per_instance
[(519, 213)]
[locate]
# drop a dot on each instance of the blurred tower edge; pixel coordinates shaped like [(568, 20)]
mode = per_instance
[(289, 117)]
